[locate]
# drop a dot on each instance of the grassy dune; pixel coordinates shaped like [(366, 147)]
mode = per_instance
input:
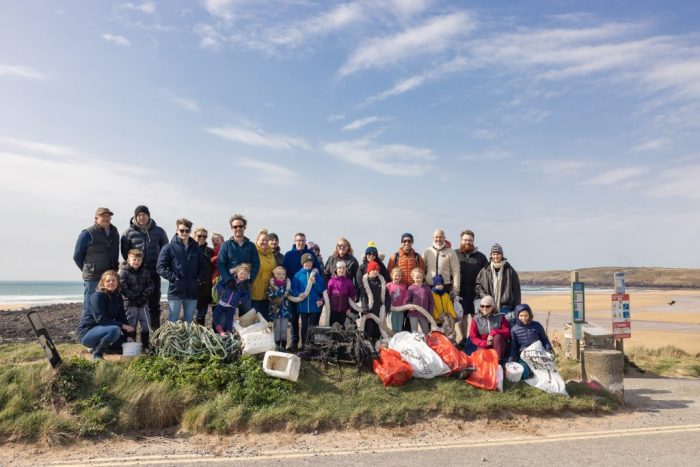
[(603, 277)]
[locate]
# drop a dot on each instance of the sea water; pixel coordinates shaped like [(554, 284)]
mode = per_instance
[(36, 293)]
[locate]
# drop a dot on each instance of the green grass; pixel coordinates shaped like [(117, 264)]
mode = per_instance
[(83, 399), (665, 361)]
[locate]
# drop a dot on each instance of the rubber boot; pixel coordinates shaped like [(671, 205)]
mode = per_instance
[(146, 341)]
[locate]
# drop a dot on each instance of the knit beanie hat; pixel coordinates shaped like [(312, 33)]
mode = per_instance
[(341, 264), (140, 209), (438, 280), (372, 250), (407, 235), (307, 257), (496, 248), (372, 266)]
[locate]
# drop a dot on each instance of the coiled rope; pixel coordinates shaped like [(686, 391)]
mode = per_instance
[(180, 340)]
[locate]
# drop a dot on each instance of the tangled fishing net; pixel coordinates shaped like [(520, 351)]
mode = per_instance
[(181, 340), (337, 345)]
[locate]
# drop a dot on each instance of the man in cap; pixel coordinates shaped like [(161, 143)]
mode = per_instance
[(143, 234), (406, 259), (97, 251)]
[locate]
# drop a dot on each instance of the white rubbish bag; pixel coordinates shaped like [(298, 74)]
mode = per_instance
[(457, 304), (544, 372), (425, 362)]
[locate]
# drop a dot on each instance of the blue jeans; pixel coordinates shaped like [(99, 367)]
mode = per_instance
[(174, 306), (89, 288), (100, 338)]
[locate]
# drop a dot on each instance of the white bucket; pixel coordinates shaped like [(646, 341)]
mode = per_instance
[(282, 365), (131, 349), (514, 371)]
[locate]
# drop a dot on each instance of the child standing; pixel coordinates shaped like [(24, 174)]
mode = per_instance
[(277, 293), (444, 312), (340, 290), (419, 294), (373, 296), (398, 293), (308, 287), (137, 286), (233, 297)]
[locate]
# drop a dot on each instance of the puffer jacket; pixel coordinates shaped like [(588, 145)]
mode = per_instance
[(184, 266), (232, 254), (510, 285), (104, 309), (299, 281), (136, 285), (407, 262), (262, 280), (523, 336), (150, 240), (340, 289), (484, 326)]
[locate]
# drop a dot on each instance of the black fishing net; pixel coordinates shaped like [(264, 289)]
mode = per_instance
[(337, 345)]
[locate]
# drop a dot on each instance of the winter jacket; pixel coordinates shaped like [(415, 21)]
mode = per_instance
[(136, 285), (232, 254), (150, 240), (340, 289), (470, 264), (362, 270), (279, 305), (379, 296), (351, 264), (398, 293), (279, 257), (407, 262), (97, 251), (292, 261), (103, 309), (523, 336), (204, 295), (238, 295), (299, 281), (489, 325), (443, 306), (443, 261), (420, 295), (262, 280), (510, 286), (184, 267), (215, 263)]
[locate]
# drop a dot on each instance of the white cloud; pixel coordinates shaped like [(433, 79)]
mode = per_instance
[(267, 172), (614, 176), (362, 122), (433, 36), (652, 145), (18, 71), (184, 102), (257, 137), (145, 7), (388, 159), (209, 36), (115, 39), (678, 182), (222, 9), (37, 147)]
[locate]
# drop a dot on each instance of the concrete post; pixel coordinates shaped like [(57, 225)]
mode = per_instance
[(607, 368)]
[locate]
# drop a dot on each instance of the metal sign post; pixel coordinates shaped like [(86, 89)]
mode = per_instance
[(578, 312)]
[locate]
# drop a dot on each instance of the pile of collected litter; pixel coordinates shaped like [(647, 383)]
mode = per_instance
[(181, 340), (337, 345)]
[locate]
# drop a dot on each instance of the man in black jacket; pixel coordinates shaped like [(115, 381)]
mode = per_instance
[(471, 261), (143, 234)]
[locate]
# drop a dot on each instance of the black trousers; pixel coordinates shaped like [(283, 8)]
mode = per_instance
[(154, 303), (308, 319)]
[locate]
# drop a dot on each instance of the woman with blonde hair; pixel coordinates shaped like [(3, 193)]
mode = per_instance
[(262, 281), (104, 317)]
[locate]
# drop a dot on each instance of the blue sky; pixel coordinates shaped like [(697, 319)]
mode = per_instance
[(566, 131)]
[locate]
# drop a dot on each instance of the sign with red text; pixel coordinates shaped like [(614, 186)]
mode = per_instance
[(621, 321)]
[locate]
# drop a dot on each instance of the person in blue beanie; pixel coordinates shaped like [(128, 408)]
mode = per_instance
[(525, 333)]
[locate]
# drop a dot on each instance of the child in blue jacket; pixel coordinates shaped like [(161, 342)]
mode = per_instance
[(308, 287)]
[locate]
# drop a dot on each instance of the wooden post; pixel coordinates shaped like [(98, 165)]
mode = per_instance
[(574, 278)]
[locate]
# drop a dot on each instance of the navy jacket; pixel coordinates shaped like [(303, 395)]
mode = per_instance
[(523, 336), (149, 240), (292, 261), (232, 254), (103, 309), (184, 267)]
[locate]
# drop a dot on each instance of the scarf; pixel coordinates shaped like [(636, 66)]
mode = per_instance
[(497, 275)]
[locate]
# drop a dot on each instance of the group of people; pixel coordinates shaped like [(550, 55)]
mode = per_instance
[(236, 275)]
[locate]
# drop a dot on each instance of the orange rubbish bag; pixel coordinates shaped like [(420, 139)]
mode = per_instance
[(486, 363), (451, 355), (391, 369)]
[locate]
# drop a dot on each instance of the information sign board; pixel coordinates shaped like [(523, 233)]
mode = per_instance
[(578, 303), (621, 320)]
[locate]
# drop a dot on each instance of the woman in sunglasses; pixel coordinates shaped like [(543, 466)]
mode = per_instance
[(343, 252), (489, 328), (182, 263)]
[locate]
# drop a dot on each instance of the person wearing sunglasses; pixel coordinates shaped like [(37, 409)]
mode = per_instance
[(343, 252), (406, 259), (204, 297), (237, 250), (182, 263), (371, 254), (489, 328), (144, 234)]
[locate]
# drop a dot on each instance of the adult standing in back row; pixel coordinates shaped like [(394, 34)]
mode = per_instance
[(499, 280), (97, 251), (471, 262), (237, 250), (406, 259), (143, 234), (441, 259)]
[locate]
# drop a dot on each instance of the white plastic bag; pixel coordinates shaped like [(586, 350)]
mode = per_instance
[(457, 304), (425, 362), (544, 371)]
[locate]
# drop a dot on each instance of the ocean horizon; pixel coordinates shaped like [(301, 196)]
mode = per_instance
[(36, 293)]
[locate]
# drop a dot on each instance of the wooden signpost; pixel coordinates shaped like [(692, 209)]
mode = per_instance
[(578, 312), (621, 320)]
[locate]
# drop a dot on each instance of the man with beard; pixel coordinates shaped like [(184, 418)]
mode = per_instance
[(143, 234), (441, 259), (471, 261), (406, 259)]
